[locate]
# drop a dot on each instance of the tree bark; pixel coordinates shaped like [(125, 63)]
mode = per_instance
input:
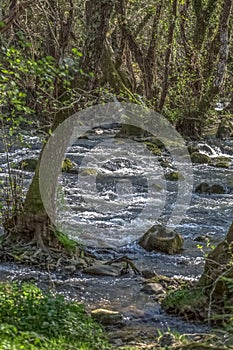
[(168, 56), (34, 223)]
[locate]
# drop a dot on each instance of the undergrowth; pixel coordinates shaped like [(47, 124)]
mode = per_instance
[(31, 319)]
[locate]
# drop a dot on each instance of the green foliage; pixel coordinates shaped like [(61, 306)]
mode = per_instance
[(32, 319), (28, 85), (68, 243), (185, 301)]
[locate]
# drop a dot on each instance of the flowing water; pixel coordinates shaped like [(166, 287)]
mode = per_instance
[(108, 204)]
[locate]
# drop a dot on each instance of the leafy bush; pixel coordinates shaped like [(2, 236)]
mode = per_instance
[(32, 319)]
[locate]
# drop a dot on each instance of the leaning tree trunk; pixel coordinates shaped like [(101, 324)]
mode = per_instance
[(34, 224)]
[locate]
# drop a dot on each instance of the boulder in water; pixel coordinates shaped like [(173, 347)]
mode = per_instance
[(158, 238), (153, 148), (204, 187), (107, 317), (201, 158), (100, 269), (69, 167), (174, 176), (221, 162), (28, 164)]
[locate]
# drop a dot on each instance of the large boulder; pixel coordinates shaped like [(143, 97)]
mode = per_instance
[(158, 238)]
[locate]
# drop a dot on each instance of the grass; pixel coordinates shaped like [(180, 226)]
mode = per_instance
[(31, 319)]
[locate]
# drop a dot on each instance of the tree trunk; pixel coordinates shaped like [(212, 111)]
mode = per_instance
[(168, 56), (34, 223)]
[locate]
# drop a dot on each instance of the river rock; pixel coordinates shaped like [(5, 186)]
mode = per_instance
[(153, 148), (153, 288), (174, 176), (107, 317), (201, 158), (221, 162), (157, 238), (148, 273), (28, 164), (204, 187), (165, 163), (105, 270), (68, 166)]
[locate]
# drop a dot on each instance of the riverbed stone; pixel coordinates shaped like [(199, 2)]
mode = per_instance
[(153, 148), (107, 317), (158, 238), (221, 162), (148, 273), (99, 269), (89, 172), (68, 166), (174, 176), (165, 163), (28, 164), (200, 158), (153, 289), (204, 187)]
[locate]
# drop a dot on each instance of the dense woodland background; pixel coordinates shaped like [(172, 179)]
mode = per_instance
[(174, 56)]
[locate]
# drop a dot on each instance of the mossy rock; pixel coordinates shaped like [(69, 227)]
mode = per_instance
[(190, 302), (153, 148), (158, 238), (204, 187), (225, 165), (165, 164), (174, 176), (69, 167), (221, 162), (28, 164), (222, 159), (200, 158), (89, 172)]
